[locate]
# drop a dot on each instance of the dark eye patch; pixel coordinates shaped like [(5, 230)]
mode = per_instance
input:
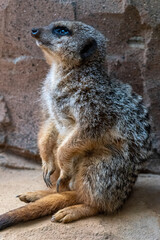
[(61, 31)]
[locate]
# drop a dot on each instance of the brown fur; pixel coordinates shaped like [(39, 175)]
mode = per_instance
[(44, 206)]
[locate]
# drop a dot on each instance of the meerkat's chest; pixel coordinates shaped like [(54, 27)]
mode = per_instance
[(63, 114), (58, 102), (61, 111)]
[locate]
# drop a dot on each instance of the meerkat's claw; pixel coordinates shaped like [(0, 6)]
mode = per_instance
[(46, 177), (48, 170), (62, 181), (58, 184)]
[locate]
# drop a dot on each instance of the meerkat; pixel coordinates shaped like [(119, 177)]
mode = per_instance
[(94, 133)]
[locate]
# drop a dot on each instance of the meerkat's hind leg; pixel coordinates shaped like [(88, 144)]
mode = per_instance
[(34, 196), (73, 213)]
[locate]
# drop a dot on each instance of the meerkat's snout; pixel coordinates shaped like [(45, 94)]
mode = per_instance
[(35, 32)]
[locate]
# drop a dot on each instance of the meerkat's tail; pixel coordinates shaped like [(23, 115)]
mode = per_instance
[(42, 207)]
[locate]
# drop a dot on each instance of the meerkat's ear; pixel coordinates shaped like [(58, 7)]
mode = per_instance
[(88, 48)]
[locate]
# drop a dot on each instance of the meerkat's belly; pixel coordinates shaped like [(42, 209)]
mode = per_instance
[(64, 126), (63, 119)]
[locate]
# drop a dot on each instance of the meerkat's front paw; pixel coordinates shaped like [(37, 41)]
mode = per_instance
[(63, 180), (48, 170)]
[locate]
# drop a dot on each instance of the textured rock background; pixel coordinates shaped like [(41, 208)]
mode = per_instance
[(133, 32)]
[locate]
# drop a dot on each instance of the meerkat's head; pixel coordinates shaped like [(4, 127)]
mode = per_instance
[(70, 42)]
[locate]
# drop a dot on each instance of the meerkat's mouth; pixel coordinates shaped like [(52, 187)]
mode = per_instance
[(39, 44), (44, 45), (44, 48)]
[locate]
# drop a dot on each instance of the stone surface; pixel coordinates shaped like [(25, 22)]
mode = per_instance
[(4, 120), (11, 161), (153, 165), (133, 32), (138, 219), (23, 67)]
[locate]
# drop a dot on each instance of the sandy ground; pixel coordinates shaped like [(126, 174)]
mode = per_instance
[(138, 220)]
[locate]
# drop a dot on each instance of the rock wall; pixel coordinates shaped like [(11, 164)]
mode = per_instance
[(132, 28)]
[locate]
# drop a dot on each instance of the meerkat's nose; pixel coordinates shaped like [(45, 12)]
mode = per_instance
[(35, 32)]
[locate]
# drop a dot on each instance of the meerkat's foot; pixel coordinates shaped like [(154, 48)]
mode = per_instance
[(73, 213), (33, 196), (48, 170)]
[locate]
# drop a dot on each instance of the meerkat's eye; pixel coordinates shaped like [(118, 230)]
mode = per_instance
[(61, 31)]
